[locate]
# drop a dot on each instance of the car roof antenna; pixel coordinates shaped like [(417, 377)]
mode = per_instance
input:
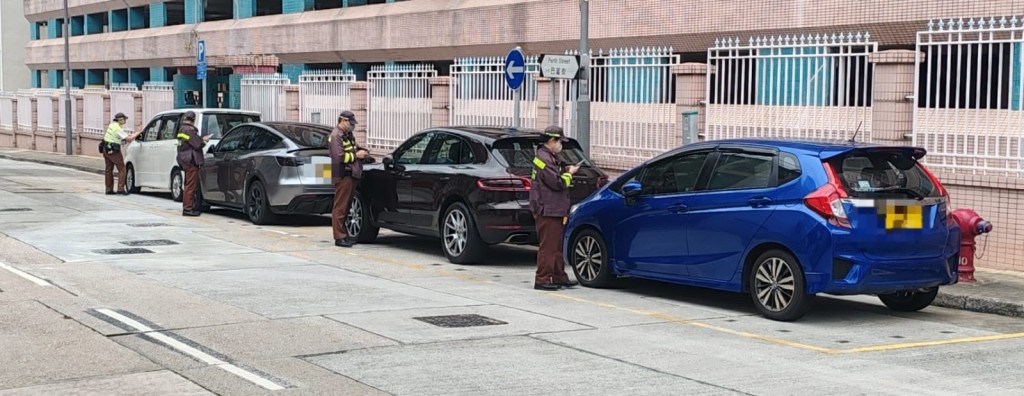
[(853, 139)]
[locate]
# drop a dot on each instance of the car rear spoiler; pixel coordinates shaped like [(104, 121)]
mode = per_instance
[(831, 152)]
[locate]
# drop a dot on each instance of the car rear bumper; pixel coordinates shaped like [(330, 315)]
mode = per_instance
[(856, 275), (298, 199), (508, 222)]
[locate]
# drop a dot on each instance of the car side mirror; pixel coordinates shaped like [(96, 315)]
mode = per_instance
[(632, 189), (387, 161)]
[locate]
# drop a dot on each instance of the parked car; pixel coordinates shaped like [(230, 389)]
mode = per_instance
[(782, 221), (151, 161), (468, 186), (269, 169)]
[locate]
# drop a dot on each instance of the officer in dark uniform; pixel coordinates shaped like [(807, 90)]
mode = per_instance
[(346, 170), (549, 202), (190, 159)]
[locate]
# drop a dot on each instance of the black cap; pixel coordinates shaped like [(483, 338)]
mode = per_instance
[(120, 116), (348, 115), (556, 132), (189, 115)]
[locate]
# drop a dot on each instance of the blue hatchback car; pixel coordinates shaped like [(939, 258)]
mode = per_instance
[(780, 220)]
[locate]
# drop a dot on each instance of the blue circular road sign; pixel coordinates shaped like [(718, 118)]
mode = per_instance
[(515, 69)]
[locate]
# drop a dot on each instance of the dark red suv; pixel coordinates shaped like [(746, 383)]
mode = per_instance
[(469, 186)]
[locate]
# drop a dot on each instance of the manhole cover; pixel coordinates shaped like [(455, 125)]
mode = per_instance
[(15, 210), (144, 225), (151, 242), (470, 320), (122, 251)]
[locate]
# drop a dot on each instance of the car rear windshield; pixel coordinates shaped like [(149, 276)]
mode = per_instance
[(216, 124), (879, 175), (519, 152), (304, 135)]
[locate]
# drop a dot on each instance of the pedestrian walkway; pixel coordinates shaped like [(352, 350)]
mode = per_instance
[(995, 292)]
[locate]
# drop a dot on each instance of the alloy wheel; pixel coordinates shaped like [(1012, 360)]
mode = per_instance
[(775, 284), (354, 223), (255, 202), (177, 185), (455, 230), (587, 258)]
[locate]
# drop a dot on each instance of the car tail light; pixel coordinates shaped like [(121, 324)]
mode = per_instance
[(827, 200), (290, 161), (504, 184), (941, 188)]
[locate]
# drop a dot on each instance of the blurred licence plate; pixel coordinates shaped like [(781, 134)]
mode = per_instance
[(903, 216)]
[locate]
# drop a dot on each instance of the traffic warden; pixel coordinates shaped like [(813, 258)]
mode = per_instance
[(549, 202), (346, 170), (110, 147), (190, 158)]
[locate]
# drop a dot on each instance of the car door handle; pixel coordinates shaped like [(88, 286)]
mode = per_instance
[(405, 176), (445, 178), (677, 208), (759, 202)]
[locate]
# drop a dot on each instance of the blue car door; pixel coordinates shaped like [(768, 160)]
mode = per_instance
[(650, 231), (723, 218)]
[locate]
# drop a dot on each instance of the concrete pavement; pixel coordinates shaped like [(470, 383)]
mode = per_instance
[(994, 292)]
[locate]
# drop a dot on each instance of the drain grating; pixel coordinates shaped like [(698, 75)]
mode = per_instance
[(146, 225), (122, 251), (150, 242), (16, 210), (471, 320)]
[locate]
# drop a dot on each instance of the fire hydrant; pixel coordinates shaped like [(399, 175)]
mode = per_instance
[(971, 225)]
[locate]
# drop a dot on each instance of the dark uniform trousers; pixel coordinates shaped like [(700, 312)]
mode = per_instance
[(188, 196), (550, 261), (114, 160), (342, 199)]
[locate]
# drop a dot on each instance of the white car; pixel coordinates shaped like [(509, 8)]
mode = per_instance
[(151, 161)]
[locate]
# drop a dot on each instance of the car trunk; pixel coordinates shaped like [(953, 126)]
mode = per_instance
[(896, 209), (517, 154)]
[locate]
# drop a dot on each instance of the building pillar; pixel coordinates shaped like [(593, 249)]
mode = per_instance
[(292, 109), (33, 31), (56, 79), (36, 79), (194, 12), (245, 9), (53, 29), (892, 114), (546, 115), (34, 103), (440, 92), (359, 91), (691, 84), (157, 14)]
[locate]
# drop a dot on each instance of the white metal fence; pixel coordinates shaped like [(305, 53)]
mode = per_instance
[(399, 104), (323, 94), (791, 87), (157, 96), (62, 121), (45, 101), (25, 116), (265, 93), (94, 123), (632, 110), (479, 95), (122, 100), (7, 101), (969, 91)]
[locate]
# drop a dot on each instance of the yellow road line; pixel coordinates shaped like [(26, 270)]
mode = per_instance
[(906, 345)]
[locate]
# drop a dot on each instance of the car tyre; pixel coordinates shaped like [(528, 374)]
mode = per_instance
[(257, 205), (177, 184), (460, 239), (588, 257), (358, 223), (910, 301), (778, 287), (129, 181)]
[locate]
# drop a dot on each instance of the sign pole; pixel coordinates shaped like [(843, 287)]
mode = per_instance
[(68, 125), (583, 101), (516, 97)]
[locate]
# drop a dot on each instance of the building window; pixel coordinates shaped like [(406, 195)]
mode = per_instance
[(219, 10), (175, 13), (268, 7), (326, 4)]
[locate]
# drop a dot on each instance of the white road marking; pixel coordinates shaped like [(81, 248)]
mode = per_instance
[(25, 275), (188, 350), (275, 231)]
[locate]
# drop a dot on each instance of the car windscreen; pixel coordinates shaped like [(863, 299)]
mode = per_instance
[(304, 135), (217, 124), (883, 174), (519, 152)]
